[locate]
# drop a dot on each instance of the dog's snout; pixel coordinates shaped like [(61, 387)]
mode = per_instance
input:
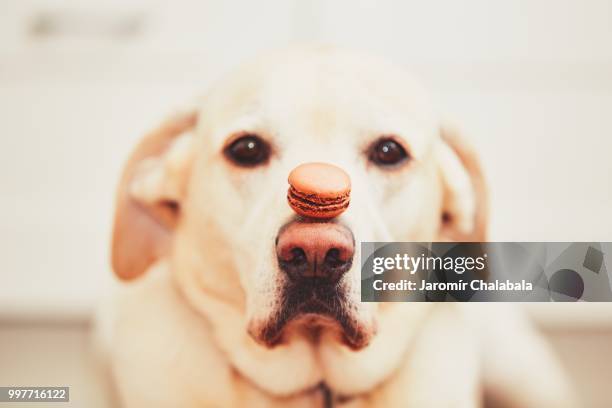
[(315, 250)]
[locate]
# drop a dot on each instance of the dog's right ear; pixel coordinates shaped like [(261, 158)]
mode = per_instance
[(149, 196)]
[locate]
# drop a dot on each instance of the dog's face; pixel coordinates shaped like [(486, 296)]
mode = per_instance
[(208, 191)]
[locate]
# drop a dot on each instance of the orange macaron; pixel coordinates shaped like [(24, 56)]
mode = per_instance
[(319, 190)]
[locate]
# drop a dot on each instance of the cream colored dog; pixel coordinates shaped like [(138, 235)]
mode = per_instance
[(200, 207)]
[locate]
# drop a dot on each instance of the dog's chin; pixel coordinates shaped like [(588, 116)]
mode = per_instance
[(311, 311)]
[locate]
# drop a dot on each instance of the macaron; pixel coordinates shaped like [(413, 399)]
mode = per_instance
[(319, 190)]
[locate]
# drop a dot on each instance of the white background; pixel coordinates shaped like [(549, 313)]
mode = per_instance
[(530, 82)]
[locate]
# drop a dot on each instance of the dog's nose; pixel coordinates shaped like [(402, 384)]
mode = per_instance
[(315, 250), (319, 190)]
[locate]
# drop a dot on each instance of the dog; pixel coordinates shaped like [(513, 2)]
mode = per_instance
[(212, 317)]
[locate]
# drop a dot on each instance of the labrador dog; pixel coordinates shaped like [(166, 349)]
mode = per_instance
[(214, 316)]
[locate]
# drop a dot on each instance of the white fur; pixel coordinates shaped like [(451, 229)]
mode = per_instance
[(181, 334)]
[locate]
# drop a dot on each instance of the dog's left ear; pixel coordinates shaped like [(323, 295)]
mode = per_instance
[(465, 208), (149, 196)]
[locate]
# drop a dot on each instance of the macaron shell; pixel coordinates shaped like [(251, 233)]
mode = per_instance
[(321, 179)]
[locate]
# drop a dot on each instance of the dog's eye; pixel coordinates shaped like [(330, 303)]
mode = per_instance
[(248, 151), (387, 152)]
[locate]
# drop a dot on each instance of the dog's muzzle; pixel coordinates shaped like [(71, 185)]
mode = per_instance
[(314, 254)]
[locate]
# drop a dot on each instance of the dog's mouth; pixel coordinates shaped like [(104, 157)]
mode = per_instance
[(312, 308)]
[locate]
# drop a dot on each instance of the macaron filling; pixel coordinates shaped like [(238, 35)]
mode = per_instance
[(312, 203)]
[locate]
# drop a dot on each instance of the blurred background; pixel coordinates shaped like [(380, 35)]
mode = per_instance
[(530, 83)]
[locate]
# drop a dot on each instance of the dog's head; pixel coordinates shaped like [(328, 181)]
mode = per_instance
[(208, 191)]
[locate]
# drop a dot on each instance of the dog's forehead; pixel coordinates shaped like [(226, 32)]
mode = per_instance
[(318, 91)]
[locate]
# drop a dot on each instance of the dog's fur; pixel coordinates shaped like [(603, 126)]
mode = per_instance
[(191, 332)]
